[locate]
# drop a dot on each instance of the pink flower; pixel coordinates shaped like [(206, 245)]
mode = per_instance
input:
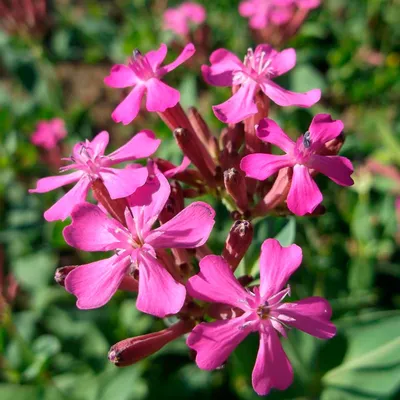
[(135, 246), (89, 163), (144, 73), (256, 73), (179, 19), (49, 133), (307, 4), (303, 156), (263, 12), (262, 311)]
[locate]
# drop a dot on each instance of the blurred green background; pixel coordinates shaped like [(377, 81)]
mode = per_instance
[(51, 350)]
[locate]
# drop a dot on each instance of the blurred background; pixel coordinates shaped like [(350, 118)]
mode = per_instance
[(52, 65)]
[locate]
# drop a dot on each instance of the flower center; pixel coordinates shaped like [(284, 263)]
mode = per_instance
[(257, 67), (140, 65), (263, 311), (304, 150)]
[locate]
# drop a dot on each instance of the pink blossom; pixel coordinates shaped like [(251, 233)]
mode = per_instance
[(49, 133), (303, 156), (263, 12), (256, 73), (135, 246), (307, 4), (178, 19), (262, 310), (144, 73), (89, 163)]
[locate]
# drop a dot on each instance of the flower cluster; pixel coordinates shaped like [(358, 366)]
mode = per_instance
[(155, 240)]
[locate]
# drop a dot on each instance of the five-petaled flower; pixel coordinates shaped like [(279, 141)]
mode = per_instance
[(144, 73), (135, 246), (261, 310), (303, 156), (180, 18), (254, 74), (90, 163), (49, 133)]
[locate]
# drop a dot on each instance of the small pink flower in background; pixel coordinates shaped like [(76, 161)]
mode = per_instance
[(263, 12), (92, 230), (49, 133), (180, 18), (89, 163), (256, 73), (263, 312), (144, 73), (303, 156), (307, 4)]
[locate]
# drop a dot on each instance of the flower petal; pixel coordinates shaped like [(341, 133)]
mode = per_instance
[(129, 108), (143, 144), (283, 61), (160, 96), (285, 98), (277, 264), (280, 16), (156, 57), (216, 283), (304, 195), (159, 293), (100, 143), (261, 166), (94, 284), (121, 76), (323, 129), (240, 106), (91, 229), (336, 168), (64, 206), (188, 229), (215, 341), (311, 315), (123, 182), (148, 201), (223, 64), (186, 53), (180, 168), (270, 132), (272, 368), (53, 182)]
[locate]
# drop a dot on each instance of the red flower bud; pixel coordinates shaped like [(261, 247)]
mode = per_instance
[(132, 350)]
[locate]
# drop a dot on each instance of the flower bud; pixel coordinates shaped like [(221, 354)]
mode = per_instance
[(62, 273), (194, 149), (237, 243), (203, 132), (235, 185), (115, 207), (132, 350)]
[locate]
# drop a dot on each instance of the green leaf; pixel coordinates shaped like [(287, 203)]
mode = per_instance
[(287, 235), (18, 392), (371, 367)]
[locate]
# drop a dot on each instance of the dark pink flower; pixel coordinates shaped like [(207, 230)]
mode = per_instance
[(49, 133), (135, 246), (263, 12), (89, 163), (144, 73), (180, 18), (263, 312), (256, 73), (303, 156)]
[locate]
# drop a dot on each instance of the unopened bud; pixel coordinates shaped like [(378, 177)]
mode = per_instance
[(235, 185), (115, 207), (62, 273), (132, 350), (237, 243), (194, 149)]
